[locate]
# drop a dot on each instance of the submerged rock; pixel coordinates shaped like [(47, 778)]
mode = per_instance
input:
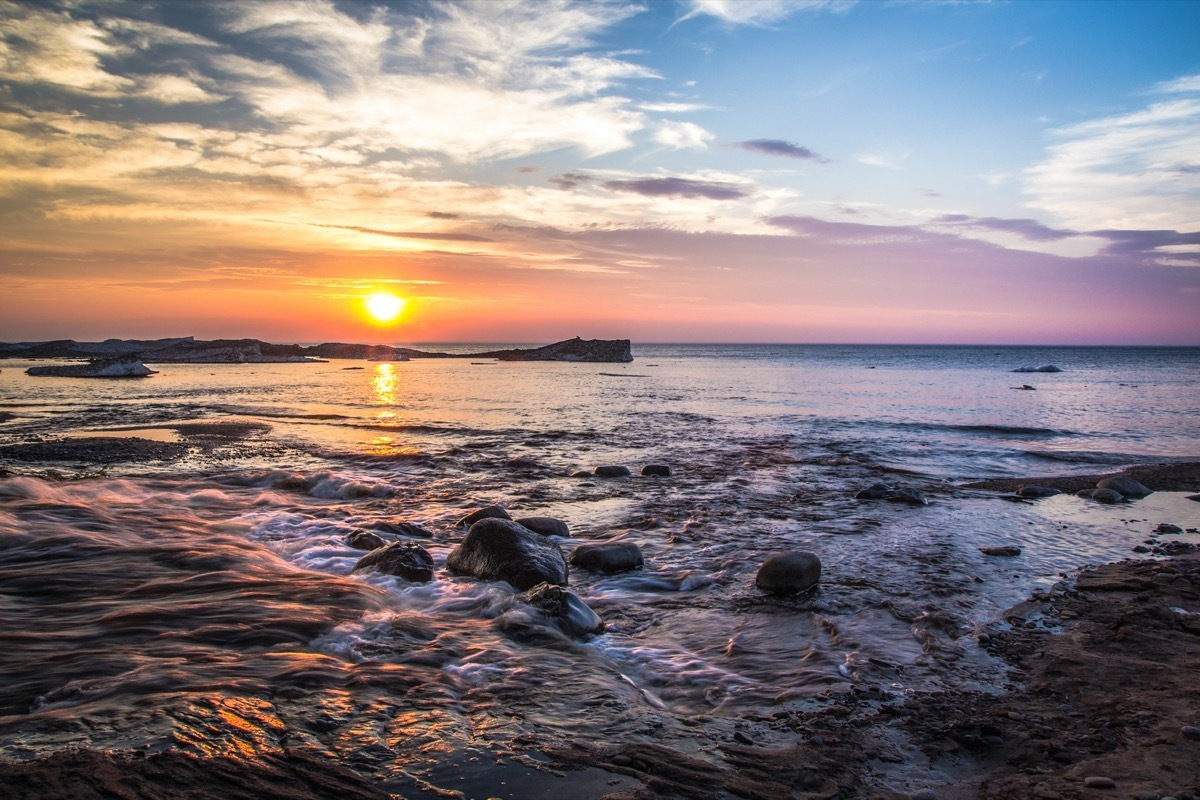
[(490, 512), (612, 472), (583, 473), (607, 557), (1107, 496), (876, 491), (1167, 527), (545, 526), (1127, 487), (1043, 368), (1003, 550), (404, 559), (905, 494), (1037, 491), (410, 529), (789, 573), (365, 540), (660, 470), (497, 549)]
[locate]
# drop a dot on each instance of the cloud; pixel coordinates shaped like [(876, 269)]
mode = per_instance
[(761, 12), (442, 215), (569, 180), (778, 147), (678, 187), (440, 236), (1130, 171), (682, 135), (1188, 83), (1026, 228)]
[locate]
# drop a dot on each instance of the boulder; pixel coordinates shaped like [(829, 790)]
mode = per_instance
[(546, 526), (607, 557), (1003, 550), (1037, 491), (564, 609), (490, 512), (404, 559), (583, 473), (913, 497), (1107, 496), (612, 472), (876, 491), (660, 470), (502, 550), (1128, 487), (1166, 527), (789, 573), (365, 540)]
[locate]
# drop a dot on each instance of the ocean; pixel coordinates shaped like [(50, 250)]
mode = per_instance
[(204, 600)]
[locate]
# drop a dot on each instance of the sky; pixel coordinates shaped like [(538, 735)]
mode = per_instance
[(664, 171)]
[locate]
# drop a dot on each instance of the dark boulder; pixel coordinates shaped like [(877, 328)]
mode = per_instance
[(1107, 496), (1037, 491), (563, 609), (1128, 487), (789, 573), (876, 491), (612, 472), (607, 557), (583, 473), (365, 540), (546, 526), (490, 512), (503, 550), (405, 559), (913, 497), (659, 470), (1167, 527), (1002, 550)]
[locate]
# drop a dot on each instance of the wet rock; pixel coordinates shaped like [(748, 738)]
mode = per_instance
[(612, 472), (583, 473), (876, 491), (410, 529), (489, 512), (1190, 731), (660, 470), (564, 609), (1141, 548), (546, 526), (404, 559), (1126, 486), (497, 549), (1195, 497), (523, 463), (1043, 368), (1037, 491), (1107, 496), (1003, 550), (1099, 782), (789, 573), (607, 557), (913, 497), (923, 794), (365, 540), (1167, 527), (622, 760)]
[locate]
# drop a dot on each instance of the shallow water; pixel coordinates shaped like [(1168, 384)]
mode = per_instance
[(207, 601)]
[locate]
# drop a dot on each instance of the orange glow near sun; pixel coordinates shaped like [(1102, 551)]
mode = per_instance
[(384, 307)]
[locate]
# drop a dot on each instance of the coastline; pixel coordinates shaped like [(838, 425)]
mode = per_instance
[(1099, 700)]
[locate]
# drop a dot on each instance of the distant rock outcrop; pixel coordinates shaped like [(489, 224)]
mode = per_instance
[(596, 350), (124, 367)]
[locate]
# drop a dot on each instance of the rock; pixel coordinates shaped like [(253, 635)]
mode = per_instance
[(1107, 496), (546, 526), (611, 472), (1126, 486), (622, 760), (1099, 782), (913, 497), (1003, 550), (607, 557), (660, 470), (409, 529), (120, 367), (496, 549), (1025, 387), (365, 540), (1141, 548), (923, 794), (1037, 491), (1195, 497), (564, 609), (490, 512), (1190, 731), (876, 491), (405, 559), (789, 573), (1043, 368), (617, 351), (583, 473), (523, 463), (1167, 527)]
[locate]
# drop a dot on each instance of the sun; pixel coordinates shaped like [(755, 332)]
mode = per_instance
[(383, 307)]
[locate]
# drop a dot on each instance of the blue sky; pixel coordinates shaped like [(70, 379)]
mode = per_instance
[(668, 171)]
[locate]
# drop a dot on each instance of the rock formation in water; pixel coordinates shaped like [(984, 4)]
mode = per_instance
[(501, 550), (123, 367), (597, 350)]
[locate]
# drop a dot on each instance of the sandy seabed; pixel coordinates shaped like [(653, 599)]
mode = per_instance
[(1101, 700)]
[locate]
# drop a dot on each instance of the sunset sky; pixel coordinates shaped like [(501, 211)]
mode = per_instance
[(709, 170)]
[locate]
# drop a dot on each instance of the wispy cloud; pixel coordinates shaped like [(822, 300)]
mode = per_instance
[(678, 187), (761, 12), (1026, 228), (778, 147)]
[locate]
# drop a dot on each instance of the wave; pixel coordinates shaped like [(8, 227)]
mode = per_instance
[(990, 429)]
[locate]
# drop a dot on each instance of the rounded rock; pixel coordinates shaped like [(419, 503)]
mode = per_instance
[(503, 550), (365, 540), (876, 491), (1125, 486), (1190, 731), (489, 512), (659, 470), (612, 472), (607, 557), (545, 526), (1099, 782), (789, 573), (403, 559), (565, 609), (1037, 491)]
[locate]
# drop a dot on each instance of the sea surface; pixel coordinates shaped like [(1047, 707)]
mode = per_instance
[(205, 601)]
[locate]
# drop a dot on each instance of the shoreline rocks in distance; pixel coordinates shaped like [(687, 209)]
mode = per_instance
[(119, 367)]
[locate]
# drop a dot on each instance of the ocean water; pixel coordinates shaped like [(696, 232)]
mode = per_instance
[(205, 601)]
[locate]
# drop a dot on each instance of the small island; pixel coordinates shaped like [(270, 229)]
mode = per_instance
[(127, 357)]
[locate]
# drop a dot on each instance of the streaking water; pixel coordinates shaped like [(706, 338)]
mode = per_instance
[(206, 601)]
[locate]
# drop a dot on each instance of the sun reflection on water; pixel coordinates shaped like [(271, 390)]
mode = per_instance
[(384, 384)]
